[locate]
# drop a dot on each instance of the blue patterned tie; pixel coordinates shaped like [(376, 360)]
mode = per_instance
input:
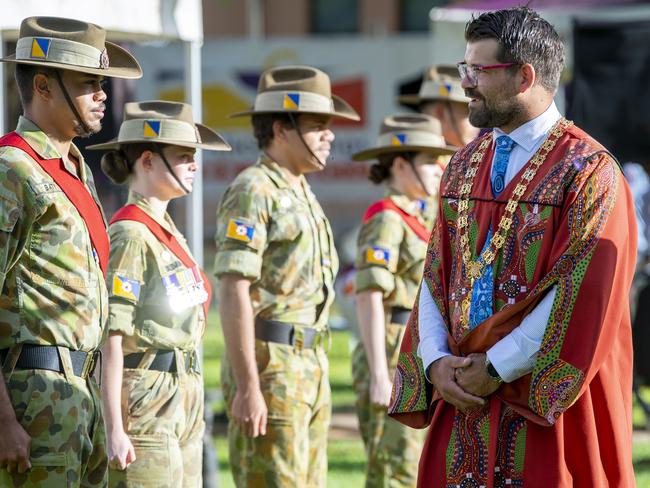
[(482, 304), (499, 167)]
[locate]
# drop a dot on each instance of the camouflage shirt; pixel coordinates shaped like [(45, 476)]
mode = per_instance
[(154, 300), (390, 256), (53, 290), (279, 238)]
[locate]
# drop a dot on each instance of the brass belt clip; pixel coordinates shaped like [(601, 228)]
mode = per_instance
[(190, 361), (298, 338), (89, 365)]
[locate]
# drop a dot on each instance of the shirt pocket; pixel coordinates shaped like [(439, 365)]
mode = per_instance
[(288, 262), (411, 258), (51, 466), (287, 226), (59, 245)]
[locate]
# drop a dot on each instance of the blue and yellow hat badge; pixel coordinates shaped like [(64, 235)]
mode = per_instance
[(291, 101), (40, 47), (444, 90), (398, 140), (151, 128)]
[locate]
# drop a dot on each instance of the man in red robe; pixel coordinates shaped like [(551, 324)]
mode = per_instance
[(522, 323)]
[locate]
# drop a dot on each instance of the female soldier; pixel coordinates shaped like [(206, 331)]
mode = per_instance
[(412, 155), (158, 301)]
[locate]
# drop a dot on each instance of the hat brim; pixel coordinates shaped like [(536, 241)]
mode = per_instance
[(342, 109), (122, 64), (409, 100), (372, 153), (415, 100), (211, 141)]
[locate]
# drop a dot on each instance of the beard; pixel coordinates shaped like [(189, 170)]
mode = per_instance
[(92, 128), (500, 111)]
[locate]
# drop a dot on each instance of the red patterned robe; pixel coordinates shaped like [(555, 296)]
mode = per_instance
[(567, 423)]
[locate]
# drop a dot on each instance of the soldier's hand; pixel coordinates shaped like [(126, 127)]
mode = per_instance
[(120, 450), (380, 388), (249, 411), (442, 374), (15, 445)]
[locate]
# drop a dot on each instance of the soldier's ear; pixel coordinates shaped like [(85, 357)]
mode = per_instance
[(41, 86), (279, 130), (399, 163), (146, 158)]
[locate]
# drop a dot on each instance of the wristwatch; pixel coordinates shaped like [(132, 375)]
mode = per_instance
[(491, 370)]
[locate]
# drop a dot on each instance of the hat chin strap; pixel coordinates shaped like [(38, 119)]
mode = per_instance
[(304, 143), (160, 148), (84, 127), (417, 176), (454, 121)]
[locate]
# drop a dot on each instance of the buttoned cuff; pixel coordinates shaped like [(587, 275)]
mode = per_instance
[(429, 358), (510, 362)]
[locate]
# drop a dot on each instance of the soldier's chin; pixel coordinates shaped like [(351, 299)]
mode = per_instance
[(93, 128), (322, 158)]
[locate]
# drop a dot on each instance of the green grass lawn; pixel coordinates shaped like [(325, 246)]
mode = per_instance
[(346, 457)]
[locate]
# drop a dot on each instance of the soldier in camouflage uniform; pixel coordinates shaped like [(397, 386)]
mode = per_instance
[(158, 300), (442, 96), (392, 244), (53, 304), (276, 265)]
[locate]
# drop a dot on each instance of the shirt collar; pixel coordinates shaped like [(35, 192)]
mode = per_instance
[(42, 145), (276, 173), (141, 202), (529, 134), (410, 206)]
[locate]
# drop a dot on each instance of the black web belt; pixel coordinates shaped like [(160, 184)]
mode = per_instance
[(164, 361), (33, 356), (283, 333), (399, 315)]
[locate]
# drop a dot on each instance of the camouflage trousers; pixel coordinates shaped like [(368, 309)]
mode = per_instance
[(62, 413), (164, 421), (393, 449), (295, 385)]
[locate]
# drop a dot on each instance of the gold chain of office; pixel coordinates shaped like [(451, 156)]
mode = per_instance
[(475, 268)]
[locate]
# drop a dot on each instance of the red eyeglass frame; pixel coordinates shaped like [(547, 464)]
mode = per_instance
[(477, 68)]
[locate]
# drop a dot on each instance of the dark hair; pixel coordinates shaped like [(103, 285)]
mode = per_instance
[(380, 171), (118, 163), (263, 126), (523, 37), (24, 74)]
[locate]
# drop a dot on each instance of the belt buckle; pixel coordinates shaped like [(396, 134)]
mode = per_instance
[(298, 338), (190, 361), (89, 365)]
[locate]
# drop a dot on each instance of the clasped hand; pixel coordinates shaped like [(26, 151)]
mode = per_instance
[(462, 381)]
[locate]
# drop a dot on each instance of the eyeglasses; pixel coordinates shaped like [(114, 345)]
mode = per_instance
[(471, 71)]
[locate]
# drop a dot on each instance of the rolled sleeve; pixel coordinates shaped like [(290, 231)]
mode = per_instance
[(9, 235), (373, 278), (238, 261), (126, 266), (121, 317)]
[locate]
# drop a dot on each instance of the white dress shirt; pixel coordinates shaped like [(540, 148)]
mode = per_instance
[(514, 355)]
